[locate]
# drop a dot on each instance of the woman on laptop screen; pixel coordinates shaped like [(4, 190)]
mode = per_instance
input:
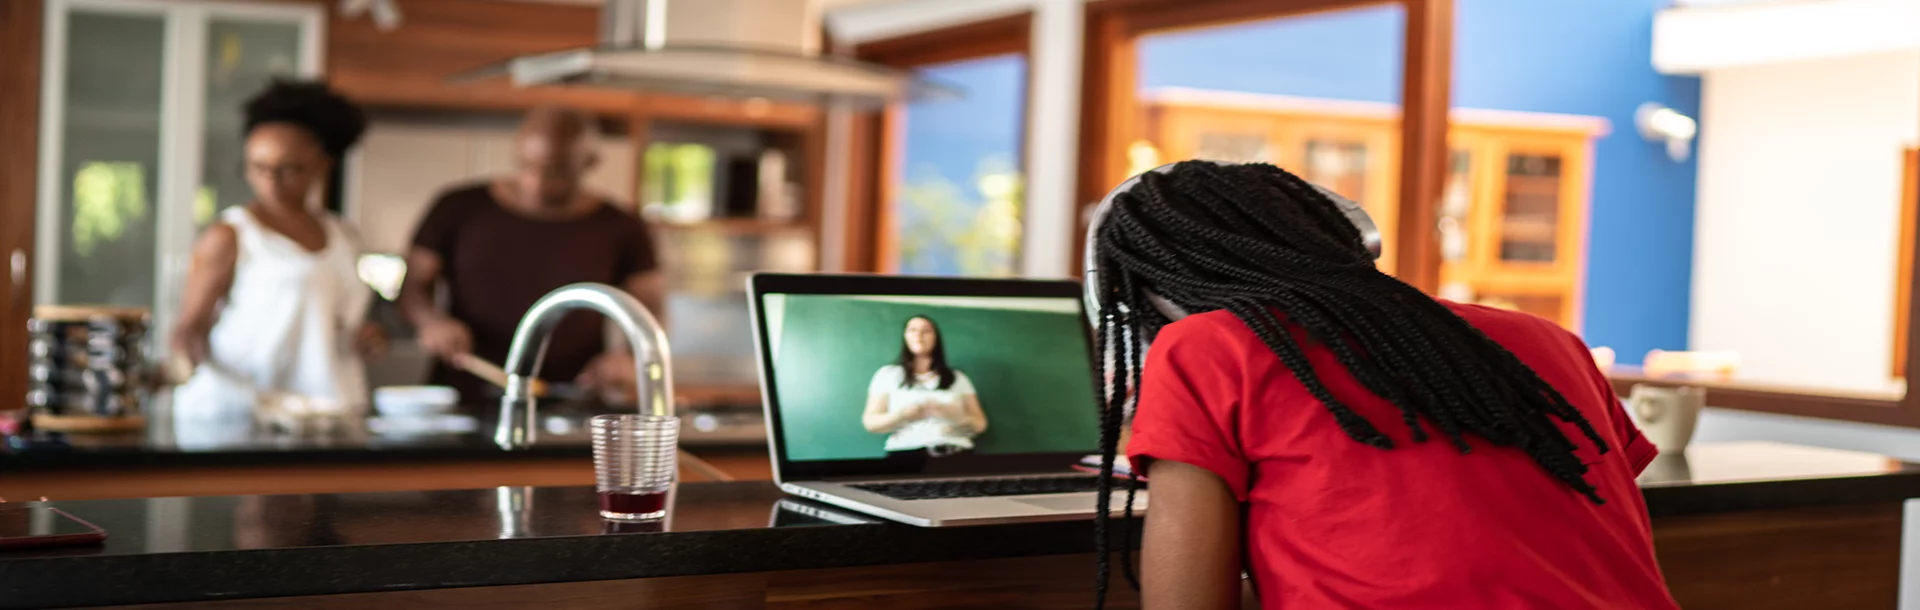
[(926, 407), (1345, 439)]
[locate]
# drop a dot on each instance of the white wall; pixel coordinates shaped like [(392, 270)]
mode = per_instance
[(1708, 35), (1799, 186)]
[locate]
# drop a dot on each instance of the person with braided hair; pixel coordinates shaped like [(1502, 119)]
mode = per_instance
[(1341, 437)]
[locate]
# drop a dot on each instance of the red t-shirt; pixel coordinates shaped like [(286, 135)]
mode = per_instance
[(1333, 523)]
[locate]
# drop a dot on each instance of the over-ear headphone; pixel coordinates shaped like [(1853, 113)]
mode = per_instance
[(1369, 234)]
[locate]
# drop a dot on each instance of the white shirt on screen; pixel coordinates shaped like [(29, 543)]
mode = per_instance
[(926, 432)]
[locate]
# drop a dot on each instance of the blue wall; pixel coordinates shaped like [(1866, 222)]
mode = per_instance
[(1586, 57)]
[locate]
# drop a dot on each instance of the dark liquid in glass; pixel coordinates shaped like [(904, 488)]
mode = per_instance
[(633, 504)]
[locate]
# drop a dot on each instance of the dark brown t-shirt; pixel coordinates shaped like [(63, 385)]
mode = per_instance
[(497, 263)]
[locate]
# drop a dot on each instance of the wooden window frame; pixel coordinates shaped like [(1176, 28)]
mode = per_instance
[(1903, 310), (1110, 108), (876, 137)]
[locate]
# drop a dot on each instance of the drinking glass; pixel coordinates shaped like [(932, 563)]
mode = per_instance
[(635, 460)]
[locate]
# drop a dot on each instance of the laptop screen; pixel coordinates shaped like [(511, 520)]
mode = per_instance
[(912, 382)]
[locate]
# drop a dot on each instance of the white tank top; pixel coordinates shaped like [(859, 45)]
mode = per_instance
[(287, 324)]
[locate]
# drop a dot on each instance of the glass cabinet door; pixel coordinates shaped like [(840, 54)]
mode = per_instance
[(1352, 158), (140, 137), (1530, 218), (1339, 165), (101, 159), (1525, 218)]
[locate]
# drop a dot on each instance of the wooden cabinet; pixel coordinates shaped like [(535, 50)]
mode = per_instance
[(1513, 217), (1355, 155), (1524, 221), (1220, 134)]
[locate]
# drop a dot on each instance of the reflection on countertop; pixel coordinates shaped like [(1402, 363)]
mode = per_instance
[(1724, 477), (1721, 463), (240, 442)]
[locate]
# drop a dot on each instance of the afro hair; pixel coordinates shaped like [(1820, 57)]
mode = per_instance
[(332, 120)]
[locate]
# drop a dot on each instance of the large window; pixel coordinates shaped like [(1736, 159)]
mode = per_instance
[(958, 198)]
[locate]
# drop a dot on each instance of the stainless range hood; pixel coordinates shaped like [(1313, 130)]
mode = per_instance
[(733, 48)]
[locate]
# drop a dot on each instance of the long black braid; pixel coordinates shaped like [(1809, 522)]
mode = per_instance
[(1262, 243)]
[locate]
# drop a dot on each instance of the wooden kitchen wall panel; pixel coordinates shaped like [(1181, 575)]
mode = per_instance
[(1065, 582), (19, 152), (442, 37), (1835, 558), (409, 67)]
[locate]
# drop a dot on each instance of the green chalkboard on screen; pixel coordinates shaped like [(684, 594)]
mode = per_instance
[(1027, 358)]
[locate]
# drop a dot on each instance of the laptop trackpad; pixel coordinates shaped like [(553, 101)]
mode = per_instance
[(1077, 502)]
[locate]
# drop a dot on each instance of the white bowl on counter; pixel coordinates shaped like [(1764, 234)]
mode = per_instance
[(414, 400), (418, 426)]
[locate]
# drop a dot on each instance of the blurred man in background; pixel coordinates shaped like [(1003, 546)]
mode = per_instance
[(499, 246)]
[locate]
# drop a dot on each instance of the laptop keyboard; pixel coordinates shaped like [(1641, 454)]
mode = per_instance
[(987, 488)]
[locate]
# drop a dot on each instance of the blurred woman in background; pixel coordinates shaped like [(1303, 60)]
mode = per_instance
[(273, 301)]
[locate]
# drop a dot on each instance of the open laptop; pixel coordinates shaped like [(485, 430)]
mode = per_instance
[(829, 348)]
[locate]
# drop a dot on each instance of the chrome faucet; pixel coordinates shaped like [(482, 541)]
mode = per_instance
[(651, 361)]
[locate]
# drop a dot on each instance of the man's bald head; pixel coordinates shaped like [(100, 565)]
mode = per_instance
[(553, 150), (560, 122)]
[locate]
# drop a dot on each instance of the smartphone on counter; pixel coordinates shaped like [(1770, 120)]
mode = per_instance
[(26, 526)]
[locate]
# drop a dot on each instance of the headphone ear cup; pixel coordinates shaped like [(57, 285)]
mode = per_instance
[(1369, 232), (1090, 292), (1166, 308)]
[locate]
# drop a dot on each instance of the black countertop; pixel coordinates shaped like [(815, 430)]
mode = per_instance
[(1727, 477), (210, 548)]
